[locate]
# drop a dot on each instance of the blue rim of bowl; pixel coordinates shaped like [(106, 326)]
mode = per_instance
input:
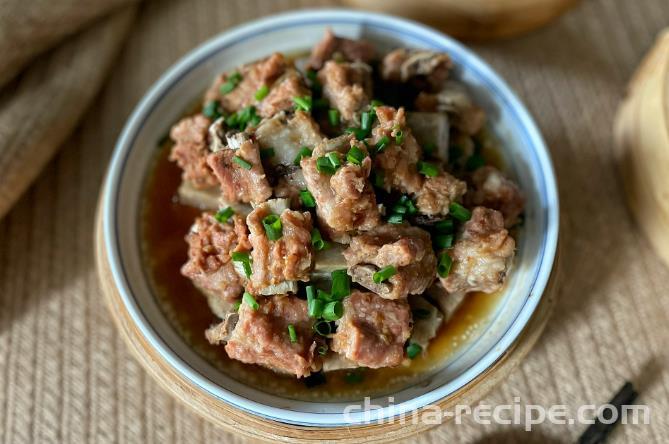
[(416, 31)]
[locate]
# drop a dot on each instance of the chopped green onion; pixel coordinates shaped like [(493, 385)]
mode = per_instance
[(292, 334), (242, 163), (399, 209), (411, 207), (311, 292), (354, 377), (315, 307), (379, 179), (212, 109), (324, 295), (429, 148), (382, 143), (474, 162), (307, 199), (374, 103), (333, 311), (243, 258), (323, 328), (224, 215), (420, 313), (442, 241), (444, 265), (399, 136), (323, 165), (250, 300), (366, 120), (341, 284), (237, 304), (395, 219), (231, 83), (359, 133), (254, 120), (355, 155), (304, 152), (428, 169), (303, 103), (384, 274), (232, 120), (266, 153), (413, 350), (333, 117), (322, 349), (262, 92), (333, 157), (317, 240), (459, 212), (273, 228), (444, 226)]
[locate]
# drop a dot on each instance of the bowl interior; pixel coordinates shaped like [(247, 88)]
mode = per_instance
[(523, 152)]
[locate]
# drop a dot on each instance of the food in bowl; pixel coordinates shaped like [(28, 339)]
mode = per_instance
[(342, 207)]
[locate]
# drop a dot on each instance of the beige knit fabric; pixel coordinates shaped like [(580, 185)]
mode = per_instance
[(65, 375)]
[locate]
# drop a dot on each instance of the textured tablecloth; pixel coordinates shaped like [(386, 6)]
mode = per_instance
[(65, 375)]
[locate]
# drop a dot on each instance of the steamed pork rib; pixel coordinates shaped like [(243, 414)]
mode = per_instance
[(285, 257), (482, 254), (490, 188), (345, 200), (422, 68), (340, 49), (240, 172), (261, 336), (238, 89), (408, 250), (209, 265), (348, 86), (190, 151), (373, 330), (354, 207)]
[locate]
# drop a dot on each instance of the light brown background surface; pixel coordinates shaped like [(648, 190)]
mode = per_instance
[(65, 375)]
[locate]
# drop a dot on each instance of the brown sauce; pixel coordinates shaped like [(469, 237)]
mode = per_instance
[(164, 224)]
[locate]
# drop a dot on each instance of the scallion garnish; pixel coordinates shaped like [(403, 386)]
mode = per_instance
[(333, 157), (324, 166), (395, 219), (382, 143), (250, 301), (231, 83), (333, 311), (374, 103), (366, 120), (444, 265), (444, 226), (212, 109), (322, 349), (413, 350), (459, 212), (315, 307), (242, 163), (236, 305), (303, 103), (224, 215), (324, 295), (273, 228), (262, 92), (266, 153), (384, 274), (359, 133), (304, 152), (307, 199), (355, 155), (333, 117), (341, 284), (399, 135), (243, 258), (317, 240), (292, 334), (442, 241), (323, 328), (428, 169)]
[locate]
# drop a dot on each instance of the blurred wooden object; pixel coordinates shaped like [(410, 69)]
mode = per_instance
[(642, 137), (474, 19)]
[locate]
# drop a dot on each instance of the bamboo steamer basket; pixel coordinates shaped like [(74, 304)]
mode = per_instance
[(642, 139), (474, 19), (254, 427)]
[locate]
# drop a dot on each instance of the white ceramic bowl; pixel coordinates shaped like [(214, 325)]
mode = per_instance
[(523, 149)]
